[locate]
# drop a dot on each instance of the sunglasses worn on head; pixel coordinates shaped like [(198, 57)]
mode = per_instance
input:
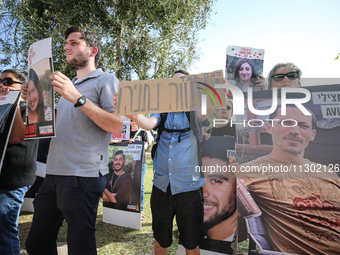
[(227, 107), (9, 81), (280, 76)]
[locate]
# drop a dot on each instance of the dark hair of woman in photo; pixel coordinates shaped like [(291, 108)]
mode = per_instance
[(245, 74), (35, 99)]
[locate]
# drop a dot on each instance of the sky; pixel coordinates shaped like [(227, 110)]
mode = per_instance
[(305, 32)]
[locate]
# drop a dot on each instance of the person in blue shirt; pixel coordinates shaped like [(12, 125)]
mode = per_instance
[(177, 187)]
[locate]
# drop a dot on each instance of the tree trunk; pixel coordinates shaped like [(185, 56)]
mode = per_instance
[(119, 52)]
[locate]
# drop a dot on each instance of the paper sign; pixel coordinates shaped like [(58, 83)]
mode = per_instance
[(330, 111), (124, 210), (40, 97), (245, 52), (135, 147), (170, 95), (132, 152), (8, 108), (231, 153), (125, 135), (326, 97), (39, 50)]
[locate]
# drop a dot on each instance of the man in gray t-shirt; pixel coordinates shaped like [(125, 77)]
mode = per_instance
[(76, 168)]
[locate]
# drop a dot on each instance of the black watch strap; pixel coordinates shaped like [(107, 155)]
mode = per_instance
[(81, 101)]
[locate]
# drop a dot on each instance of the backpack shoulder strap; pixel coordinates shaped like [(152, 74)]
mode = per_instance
[(188, 114), (192, 116), (164, 116)]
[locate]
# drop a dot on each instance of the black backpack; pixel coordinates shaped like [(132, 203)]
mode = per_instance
[(161, 128)]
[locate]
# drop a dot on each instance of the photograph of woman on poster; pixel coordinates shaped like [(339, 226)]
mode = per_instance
[(35, 99), (39, 92), (246, 77)]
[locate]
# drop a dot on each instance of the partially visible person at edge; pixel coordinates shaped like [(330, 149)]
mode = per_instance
[(36, 106), (177, 188), (76, 168), (18, 167), (44, 144), (246, 77), (284, 75), (138, 134), (223, 128)]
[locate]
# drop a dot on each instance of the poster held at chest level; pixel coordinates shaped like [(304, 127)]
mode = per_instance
[(219, 195), (122, 194), (40, 95)]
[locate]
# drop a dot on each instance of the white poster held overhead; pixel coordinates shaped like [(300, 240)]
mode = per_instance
[(244, 68)]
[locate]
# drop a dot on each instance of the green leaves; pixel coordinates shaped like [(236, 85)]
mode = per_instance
[(140, 39)]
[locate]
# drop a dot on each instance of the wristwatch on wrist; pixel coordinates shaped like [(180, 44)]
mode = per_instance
[(81, 101)]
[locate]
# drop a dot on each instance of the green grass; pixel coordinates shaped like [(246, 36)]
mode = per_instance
[(242, 248), (112, 239)]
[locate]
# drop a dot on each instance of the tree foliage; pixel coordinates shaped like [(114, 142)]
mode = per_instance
[(141, 39)]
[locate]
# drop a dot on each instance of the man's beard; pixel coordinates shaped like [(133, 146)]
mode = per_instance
[(217, 218), (117, 170), (79, 61), (290, 148)]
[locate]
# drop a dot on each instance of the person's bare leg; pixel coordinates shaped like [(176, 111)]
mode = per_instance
[(195, 251), (159, 250)]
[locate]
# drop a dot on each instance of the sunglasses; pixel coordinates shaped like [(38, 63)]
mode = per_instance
[(290, 76), (227, 107), (9, 81)]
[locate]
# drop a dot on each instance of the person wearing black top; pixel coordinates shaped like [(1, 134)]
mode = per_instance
[(224, 129), (43, 147), (18, 168), (140, 135)]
